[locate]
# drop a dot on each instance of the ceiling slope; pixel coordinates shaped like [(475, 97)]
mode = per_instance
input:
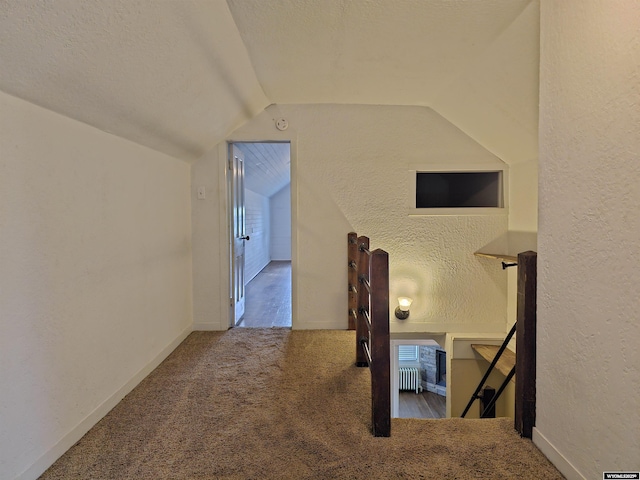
[(495, 98), (179, 76), (391, 52), (474, 62), (174, 76)]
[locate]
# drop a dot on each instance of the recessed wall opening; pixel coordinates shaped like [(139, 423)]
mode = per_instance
[(459, 189), (261, 243), (418, 379)]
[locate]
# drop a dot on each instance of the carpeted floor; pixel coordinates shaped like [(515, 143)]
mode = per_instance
[(281, 404)]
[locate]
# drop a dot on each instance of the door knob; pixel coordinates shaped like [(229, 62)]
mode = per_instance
[(244, 238)]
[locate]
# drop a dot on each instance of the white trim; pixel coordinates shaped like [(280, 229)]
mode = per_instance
[(461, 344), (440, 328), (332, 325), (224, 232), (553, 454), (76, 433), (289, 137), (206, 327)]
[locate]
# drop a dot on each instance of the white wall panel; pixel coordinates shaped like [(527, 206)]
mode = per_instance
[(95, 283), (257, 225), (588, 409), (280, 207)]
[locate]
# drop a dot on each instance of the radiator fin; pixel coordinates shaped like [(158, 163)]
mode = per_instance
[(409, 379)]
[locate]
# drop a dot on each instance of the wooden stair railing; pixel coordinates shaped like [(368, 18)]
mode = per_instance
[(505, 366), (352, 279), (522, 364), (371, 318)]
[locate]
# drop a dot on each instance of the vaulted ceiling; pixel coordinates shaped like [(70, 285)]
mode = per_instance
[(179, 76)]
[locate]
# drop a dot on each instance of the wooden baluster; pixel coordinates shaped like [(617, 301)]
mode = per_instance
[(362, 331), (352, 278)]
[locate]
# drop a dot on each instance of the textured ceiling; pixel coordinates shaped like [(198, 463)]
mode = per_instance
[(179, 76), (393, 52), (171, 75)]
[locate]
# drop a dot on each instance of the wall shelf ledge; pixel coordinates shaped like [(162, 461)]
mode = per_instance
[(497, 256), (506, 362)]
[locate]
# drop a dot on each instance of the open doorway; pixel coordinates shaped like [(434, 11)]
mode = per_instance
[(418, 379), (261, 221)]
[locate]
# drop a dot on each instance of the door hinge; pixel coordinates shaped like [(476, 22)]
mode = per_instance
[(231, 302), (230, 162)]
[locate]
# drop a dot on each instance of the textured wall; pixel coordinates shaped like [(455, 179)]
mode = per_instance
[(523, 224), (96, 274), (431, 256), (588, 276)]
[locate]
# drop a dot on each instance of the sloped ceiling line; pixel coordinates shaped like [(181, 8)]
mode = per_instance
[(179, 77)]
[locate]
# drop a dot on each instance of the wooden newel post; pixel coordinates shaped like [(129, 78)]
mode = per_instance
[(380, 363), (352, 279), (525, 408)]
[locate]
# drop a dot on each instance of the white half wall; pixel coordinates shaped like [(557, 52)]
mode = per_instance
[(335, 148), (280, 207), (588, 408), (95, 285)]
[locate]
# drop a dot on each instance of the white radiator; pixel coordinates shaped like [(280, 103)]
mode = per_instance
[(409, 379)]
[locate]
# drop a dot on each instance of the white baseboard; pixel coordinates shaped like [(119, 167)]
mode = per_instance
[(551, 452), (207, 327), (319, 325), (48, 459)]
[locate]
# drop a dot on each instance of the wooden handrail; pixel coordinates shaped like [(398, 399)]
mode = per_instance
[(372, 325)]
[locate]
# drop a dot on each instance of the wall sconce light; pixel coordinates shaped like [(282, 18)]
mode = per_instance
[(402, 310)]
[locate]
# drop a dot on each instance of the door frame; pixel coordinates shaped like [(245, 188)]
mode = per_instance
[(236, 199), (226, 266), (395, 365)]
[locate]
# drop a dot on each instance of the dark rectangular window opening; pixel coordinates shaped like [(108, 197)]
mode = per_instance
[(441, 368), (458, 189)]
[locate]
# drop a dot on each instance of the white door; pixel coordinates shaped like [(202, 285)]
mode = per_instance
[(238, 233)]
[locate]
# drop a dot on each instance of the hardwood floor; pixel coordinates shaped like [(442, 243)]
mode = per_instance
[(268, 297), (421, 405)]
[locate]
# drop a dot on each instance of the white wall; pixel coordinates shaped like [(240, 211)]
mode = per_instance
[(258, 226), (209, 237), (431, 256), (588, 409), (280, 207), (523, 224), (95, 284)]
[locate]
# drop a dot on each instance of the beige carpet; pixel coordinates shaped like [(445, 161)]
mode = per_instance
[(277, 404)]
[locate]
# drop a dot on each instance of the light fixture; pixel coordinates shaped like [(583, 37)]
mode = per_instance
[(402, 310)]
